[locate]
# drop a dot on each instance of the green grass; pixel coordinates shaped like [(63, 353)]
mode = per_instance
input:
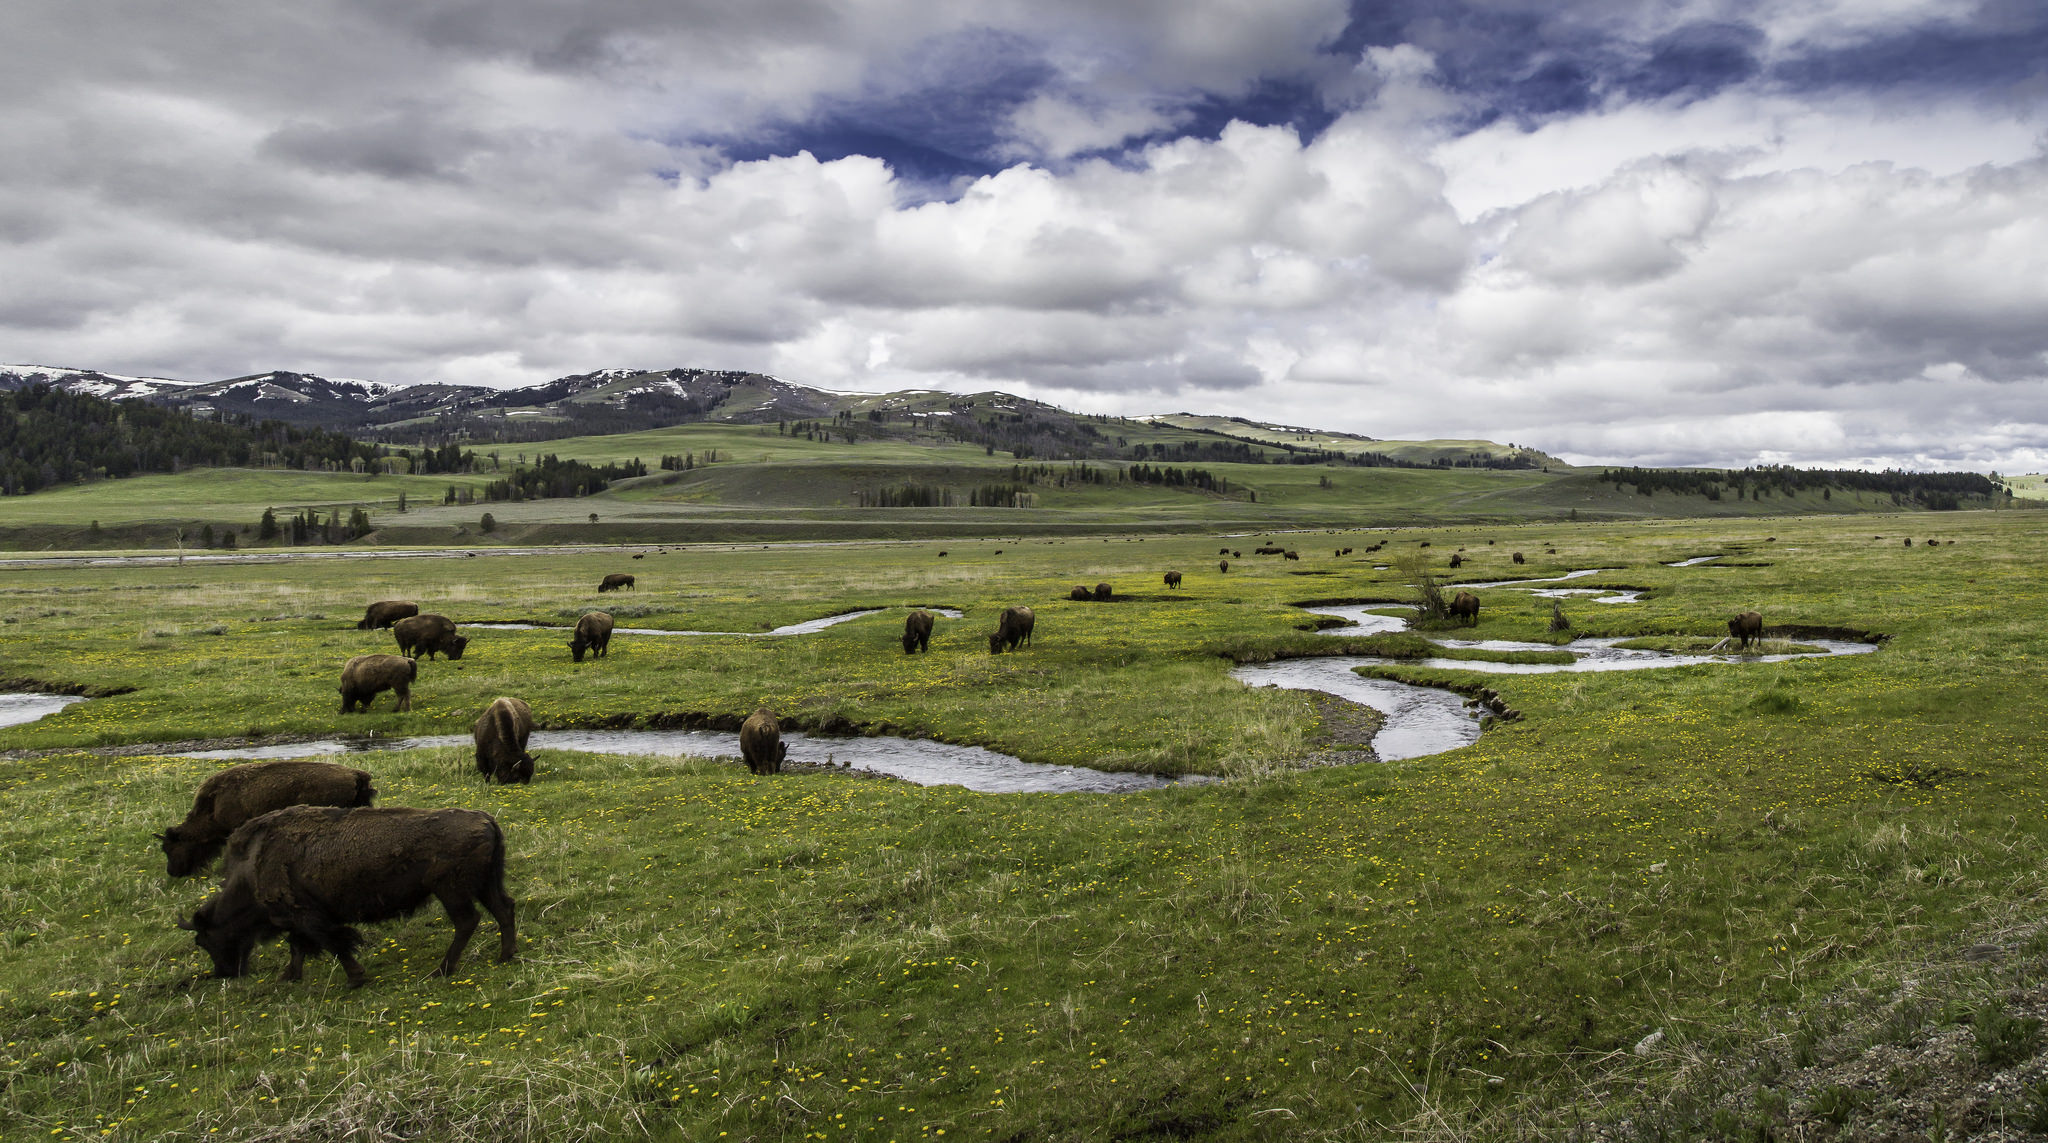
[(1447, 946)]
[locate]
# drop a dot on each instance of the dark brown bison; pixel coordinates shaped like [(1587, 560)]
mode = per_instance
[(1173, 580), (615, 581), (1457, 561), (1080, 593), (1103, 594), (501, 734), (1290, 555), (1909, 541), (1222, 551), (1518, 558), (250, 790), (381, 615), (366, 676), (1223, 565), (428, 635), (761, 744), (1012, 628), (310, 872), (1465, 606), (1745, 629), (593, 634), (917, 631)]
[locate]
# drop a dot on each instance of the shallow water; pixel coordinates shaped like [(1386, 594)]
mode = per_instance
[(1419, 720), (913, 760), (1579, 574), (17, 709), (1691, 562), (807, 627)]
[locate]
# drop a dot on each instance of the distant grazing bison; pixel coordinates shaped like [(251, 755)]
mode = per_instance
[(1267, 550), (1103, 594), (615, 581), (1223, 565), (381, 615), (593, 634), (1222, 551), (501, 734), (1457, 561), (1236, 555), (1290, 555), (428, 635), (1173, 580), (250, 790), (1080, 592), (1518, 558), (1464, 606), (1012, 628), (761, 744), (917, 631), (310, 872), (1745, 629), (366, 676)]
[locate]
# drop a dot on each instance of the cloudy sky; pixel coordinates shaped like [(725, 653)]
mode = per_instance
[(1673, 231)]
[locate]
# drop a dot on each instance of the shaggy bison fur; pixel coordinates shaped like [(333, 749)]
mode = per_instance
[(250, 790), (1173, 579), (310, 872), (501, 734), (615, 581), (1103, 594), (1080, 593), (917, 631), (1465, 606), (1012, 628), (367, 676), (428, 635), (593, 634), (761, 744), (1746, 628), (381, 615)]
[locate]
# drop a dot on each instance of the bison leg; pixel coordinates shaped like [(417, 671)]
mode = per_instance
[(404, 699), (462, 913), (297, 968), (499, 903)]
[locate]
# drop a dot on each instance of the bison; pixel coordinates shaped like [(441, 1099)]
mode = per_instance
[(1012, 628), (1222, 551), (1223, 565), (1518, 558), (501, 734), (593, 634), (615, 581), (250, 790), (367, 676), (1103, 594), (1457, 561), (1173, 580), (761, 744), (428, 635), (310, 872), (917, 631), (381, 615), (1290, 555), (1080, 594), (1745, 629), (1465, 606)]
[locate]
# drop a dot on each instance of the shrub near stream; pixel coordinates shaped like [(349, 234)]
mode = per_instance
[(1339, 952)]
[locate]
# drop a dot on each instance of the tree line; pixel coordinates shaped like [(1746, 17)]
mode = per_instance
[(1935, 490)]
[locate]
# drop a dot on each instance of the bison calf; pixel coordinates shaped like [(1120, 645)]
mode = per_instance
[(367, 676), (761, 744), (501, 733), (1745, 629), (615, 581), (593, 634), (428, 635), (917, 631), (1012, 628), (250, 790), (381, 615), (310, 872)]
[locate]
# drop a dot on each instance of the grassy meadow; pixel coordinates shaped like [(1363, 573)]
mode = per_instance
[(1468, 945)]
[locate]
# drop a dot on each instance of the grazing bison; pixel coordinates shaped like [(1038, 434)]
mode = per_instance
[(1012, 628), (1745, 629), (615, 581), (1465, 606), (310, 872), (1457, 561), (1290, 555), (1518, 558), (1103, 594), (593, 634), (917, 631), (501, 734), (380, 615), (1173, 580), (761, 743), (1236, 555), (1223, 566), (1222, 551), (428, 635), (1080, 593), (366, 676), (250, 790)]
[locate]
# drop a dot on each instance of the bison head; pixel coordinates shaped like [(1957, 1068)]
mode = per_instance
[(184, 855), (454, 647), (577, 646), (995, 643), (230, 946)]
